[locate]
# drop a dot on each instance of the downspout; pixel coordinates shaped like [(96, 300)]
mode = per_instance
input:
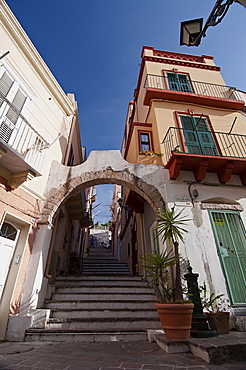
[(47, 267)]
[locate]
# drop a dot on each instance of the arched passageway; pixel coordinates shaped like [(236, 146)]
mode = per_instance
[(64, 183), (103, 167)]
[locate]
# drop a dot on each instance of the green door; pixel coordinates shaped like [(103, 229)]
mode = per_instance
[(230, 239), (198, 137)]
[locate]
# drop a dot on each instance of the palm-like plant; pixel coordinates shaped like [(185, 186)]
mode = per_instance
[(156, 265), (170, 227)]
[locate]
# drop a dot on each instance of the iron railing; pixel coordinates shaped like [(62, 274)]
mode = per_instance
[(23, 139), (195, 87), (227, 145)]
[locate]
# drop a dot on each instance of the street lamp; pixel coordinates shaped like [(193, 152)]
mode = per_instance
[(192, 30)]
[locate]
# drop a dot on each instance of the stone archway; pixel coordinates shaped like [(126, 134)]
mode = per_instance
[(103, 167)]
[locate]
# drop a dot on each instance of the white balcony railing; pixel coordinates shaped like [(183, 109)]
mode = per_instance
[(22, 138)]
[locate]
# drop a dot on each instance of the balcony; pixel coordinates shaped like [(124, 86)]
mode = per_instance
[(202, 93), (226, 156), (21, 151)]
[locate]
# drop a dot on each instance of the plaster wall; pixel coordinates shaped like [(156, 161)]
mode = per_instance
[(199, 243), (50, 111), (196, 74)]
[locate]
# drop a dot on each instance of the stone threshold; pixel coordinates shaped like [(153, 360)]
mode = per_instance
[(226, 348)]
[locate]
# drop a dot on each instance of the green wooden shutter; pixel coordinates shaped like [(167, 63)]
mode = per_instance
[(178, 82), (230, 238), (173, 81), (190, 134), (198, 138), (205, 136), (184, 83)]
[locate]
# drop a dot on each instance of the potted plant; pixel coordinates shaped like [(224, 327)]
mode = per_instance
[(217, 314), (175, 313)]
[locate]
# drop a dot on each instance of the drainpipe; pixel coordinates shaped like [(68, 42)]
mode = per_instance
[(47, 267)]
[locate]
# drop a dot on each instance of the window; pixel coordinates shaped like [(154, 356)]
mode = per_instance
[(8, 231), (12, 101), (6, 83), (144, 142), (178, 82), (198, 137), (230, 237)]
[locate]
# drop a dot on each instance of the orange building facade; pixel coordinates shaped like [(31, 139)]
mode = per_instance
[(185, 119)]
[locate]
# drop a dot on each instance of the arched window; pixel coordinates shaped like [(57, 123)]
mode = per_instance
[(8, 231)]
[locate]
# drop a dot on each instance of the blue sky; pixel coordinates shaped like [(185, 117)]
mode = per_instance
[(93, 48)]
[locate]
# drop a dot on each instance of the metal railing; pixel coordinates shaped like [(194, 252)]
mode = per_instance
[(227, 145), (24, 139), (195, 87)]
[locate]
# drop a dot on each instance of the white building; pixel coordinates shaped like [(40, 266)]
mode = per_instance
[(38, 124)]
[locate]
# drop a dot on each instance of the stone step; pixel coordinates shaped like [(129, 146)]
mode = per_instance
[(105, 268), (98, 278), (34, 335), (100, 283), (106, 313), (107, 324), (103, 304), (104, 290), (103, 273), (113, 266), (103, 296), (223, 349), (101, 260)]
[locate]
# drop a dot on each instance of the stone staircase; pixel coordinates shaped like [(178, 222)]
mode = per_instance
[(104, 303)]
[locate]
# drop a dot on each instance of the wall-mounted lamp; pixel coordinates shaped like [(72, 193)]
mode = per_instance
[(195, 193), (120, 202)]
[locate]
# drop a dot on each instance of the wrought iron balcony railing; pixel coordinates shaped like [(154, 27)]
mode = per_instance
[(223, 144), (189, 86)]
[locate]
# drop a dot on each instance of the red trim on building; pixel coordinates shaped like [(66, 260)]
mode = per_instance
[(184, 97), (182, 63), (179, 56), (199, 164), (184, 60)]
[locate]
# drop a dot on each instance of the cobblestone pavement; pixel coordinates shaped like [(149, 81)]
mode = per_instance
[(99, 356)]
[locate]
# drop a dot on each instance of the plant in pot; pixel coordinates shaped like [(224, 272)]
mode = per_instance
[(216, 307), (175, 313)]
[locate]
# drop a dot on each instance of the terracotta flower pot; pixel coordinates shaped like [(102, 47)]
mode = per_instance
[(218, 321), (176, 320)]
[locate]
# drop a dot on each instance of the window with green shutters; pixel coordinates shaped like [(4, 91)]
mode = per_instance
[(230, 237), (198, 137), (178, 82)]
